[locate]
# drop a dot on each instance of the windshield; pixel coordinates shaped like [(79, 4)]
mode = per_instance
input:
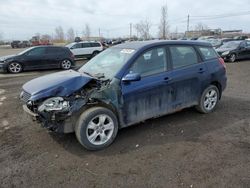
[(232, 44), (214, 42), (69, 45), (23, 52), (107, 63)]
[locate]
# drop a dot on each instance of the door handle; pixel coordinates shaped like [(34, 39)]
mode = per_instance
[(167, 79), (201, 70)]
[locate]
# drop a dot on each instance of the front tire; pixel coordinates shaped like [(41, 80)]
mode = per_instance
[(15, 67), (232, 58), (96, 128), (209, 100), (66, 64)]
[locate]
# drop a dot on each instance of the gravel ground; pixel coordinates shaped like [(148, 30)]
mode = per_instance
[(185, 149)]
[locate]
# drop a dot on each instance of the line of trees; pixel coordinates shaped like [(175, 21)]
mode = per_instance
[(142, 28)]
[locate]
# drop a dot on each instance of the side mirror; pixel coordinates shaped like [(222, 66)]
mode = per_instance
[(130, 77)]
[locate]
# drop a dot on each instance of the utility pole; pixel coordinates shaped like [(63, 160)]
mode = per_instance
[(187, 26), (99, 33), (130, 34), (188, 23)]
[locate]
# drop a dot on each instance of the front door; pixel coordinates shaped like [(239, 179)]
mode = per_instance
[(243, 50), (35, 58), (153, 94)]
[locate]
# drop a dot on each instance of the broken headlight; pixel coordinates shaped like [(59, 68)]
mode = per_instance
[(54, 104)]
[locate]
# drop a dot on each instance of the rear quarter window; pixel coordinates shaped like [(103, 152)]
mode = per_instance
[(208, 53)]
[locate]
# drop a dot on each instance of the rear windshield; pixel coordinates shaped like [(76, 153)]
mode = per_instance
[(208, 53)]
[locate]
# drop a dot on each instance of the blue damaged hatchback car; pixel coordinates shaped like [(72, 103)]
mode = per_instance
[(124, 85)]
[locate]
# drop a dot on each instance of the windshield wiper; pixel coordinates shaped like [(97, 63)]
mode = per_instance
[(88, 74)]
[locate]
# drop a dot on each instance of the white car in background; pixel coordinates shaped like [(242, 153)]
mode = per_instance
[(85, 48)]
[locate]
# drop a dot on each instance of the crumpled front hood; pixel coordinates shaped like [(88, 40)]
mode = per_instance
[(3, 58), (61, 84)]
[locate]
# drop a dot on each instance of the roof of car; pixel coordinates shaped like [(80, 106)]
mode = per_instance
[(141, 44)]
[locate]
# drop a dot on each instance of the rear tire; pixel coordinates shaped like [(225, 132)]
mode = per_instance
[(96, 128), (66, 64), (209, 100)]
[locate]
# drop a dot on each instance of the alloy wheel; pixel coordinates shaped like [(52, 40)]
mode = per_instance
[(15, 67), (100, 129), (66, 64), (211, 99)]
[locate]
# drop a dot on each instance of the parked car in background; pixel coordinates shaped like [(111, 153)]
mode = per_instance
[(42, 57), (15, 44), (235, 50), (20, 44), (124, 85), (241, 37), (85, 49), (206, 37), (37, 41)]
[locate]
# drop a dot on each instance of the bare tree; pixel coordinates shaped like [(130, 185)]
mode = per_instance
[(70, 34), (86, 32), (143, 29), (200, 27), (59, 36), (164, 25)]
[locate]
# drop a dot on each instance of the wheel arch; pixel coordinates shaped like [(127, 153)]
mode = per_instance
[(218, 85), (104, 104), (16, 61)]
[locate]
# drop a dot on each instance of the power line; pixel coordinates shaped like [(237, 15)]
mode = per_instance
[(219, 16)]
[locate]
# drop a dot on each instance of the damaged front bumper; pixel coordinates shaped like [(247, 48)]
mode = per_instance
[(56, 121)]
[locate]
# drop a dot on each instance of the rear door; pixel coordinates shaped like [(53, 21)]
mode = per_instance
[(87, 49), (53, 57), (96, 46), (188, 75)]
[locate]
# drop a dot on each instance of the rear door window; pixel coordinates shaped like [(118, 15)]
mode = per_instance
[(86, 45), (95, 44), (54, 50), (183, 56), (208, 53)]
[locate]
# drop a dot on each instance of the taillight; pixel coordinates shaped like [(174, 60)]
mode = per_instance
[(222, 62)]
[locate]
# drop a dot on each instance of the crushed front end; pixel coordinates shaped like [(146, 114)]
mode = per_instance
[(58, 105), (56, 114)]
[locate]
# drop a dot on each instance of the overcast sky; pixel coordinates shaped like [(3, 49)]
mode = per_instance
[(21, 19)]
